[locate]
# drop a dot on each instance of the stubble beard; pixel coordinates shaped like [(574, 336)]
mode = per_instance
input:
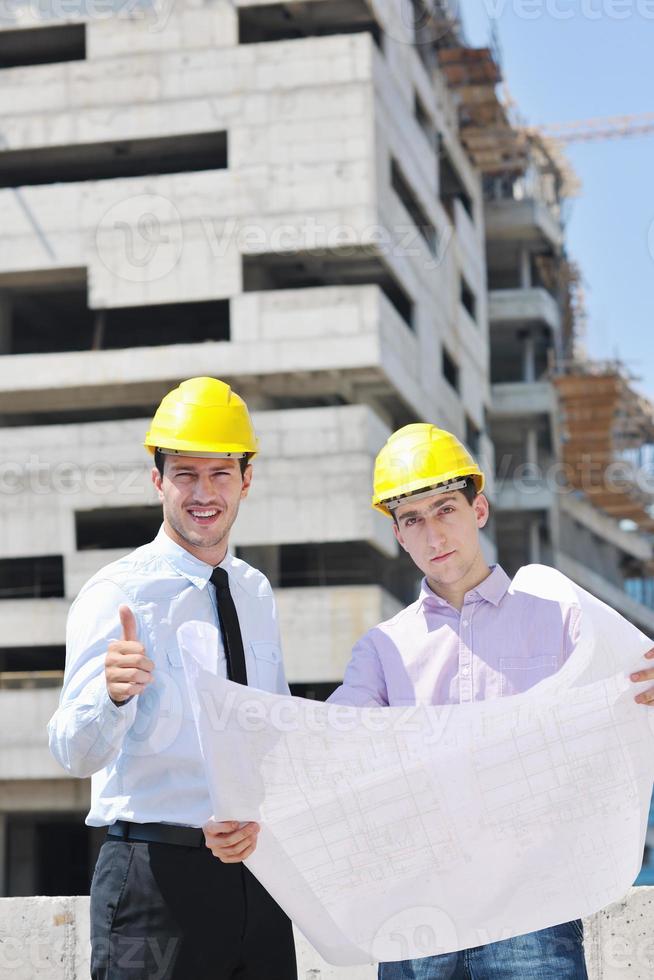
[(196, 539), (453, 575)]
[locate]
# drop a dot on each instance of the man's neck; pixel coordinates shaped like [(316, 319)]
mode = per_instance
[(211, 556), (455, 592)]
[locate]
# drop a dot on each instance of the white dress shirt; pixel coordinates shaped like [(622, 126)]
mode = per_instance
[(144, 756)]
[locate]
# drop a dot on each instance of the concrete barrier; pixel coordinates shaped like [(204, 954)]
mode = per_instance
[(48, 939)]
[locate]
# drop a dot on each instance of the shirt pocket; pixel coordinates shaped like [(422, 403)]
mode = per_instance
[(174, 658), (520, 673), (268, 666), (175, 664)]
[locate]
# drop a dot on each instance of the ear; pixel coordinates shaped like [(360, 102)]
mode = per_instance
[(247, 481), (157, 481), (481, 508)]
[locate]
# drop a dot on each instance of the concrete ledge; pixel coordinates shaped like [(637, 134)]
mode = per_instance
[(523, 496), (525, 398), (634, 543), (512, 306), (341, 337), (48, 939), (528, 220)]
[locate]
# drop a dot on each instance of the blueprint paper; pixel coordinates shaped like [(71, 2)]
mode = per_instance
[(394, 833)]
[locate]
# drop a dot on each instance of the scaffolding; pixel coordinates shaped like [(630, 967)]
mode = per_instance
[(437, 23), (607, 431), (563, 279), (493, 143)]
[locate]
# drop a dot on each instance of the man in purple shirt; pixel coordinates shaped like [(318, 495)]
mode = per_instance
[(466, 638)]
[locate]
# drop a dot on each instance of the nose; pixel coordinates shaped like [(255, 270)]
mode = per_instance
[(203, 491), (435, 537)]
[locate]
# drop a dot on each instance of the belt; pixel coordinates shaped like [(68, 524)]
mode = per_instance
[(157, 833)]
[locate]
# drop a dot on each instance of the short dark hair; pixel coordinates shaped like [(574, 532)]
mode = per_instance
[(160, 459), (470, 492)]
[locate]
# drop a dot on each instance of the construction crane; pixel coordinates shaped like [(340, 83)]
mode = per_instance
[(601, 128)]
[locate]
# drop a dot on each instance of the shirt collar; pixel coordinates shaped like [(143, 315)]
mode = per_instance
[(184, 563), (492, 589)]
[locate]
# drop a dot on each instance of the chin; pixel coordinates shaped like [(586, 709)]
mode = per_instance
[(199, 540), (443, 573)]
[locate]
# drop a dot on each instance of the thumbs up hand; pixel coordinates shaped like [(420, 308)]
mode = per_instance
[(127, 669), (128, 623)]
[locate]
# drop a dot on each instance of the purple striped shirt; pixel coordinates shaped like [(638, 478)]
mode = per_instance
[(500, 643)]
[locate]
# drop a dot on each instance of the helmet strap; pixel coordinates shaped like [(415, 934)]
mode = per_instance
[(197, 454), (434, 491)]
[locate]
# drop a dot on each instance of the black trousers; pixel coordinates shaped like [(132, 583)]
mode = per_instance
[(165, 912)]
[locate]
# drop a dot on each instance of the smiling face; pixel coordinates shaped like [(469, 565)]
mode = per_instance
[(441, 534), (200, 498)]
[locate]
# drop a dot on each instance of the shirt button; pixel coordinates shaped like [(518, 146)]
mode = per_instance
[(465, 671), (465, 622)]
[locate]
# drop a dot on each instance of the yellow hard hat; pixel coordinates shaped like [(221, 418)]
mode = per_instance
[(421, 457), (203, 417)]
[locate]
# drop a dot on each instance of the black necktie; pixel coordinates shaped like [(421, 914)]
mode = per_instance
[(229, 628)]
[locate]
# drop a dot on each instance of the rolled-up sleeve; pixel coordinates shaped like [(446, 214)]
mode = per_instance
[(364, 685), (87, 730)]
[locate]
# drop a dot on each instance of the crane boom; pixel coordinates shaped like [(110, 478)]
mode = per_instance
[(601, 128)]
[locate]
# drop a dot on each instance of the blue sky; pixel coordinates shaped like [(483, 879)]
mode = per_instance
[(577, 68)]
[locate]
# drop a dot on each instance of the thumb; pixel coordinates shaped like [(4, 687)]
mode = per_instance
[(127, 622)]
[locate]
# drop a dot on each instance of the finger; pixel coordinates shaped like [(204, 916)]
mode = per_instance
[(645, 697), (220, 829), (234, 855), (131, 675), (233, 839), (120, 692), (128, 623), (237, 860), (125, 647), (133, 656), (243, 851), (643, 675), (236, 849), (650, 653), (220, 826)]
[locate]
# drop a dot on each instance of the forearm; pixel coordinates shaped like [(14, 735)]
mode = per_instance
[(86, 733), (87, 730)]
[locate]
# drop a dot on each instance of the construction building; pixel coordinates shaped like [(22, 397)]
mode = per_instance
[(325, 204), (573, 440), (249, 191)]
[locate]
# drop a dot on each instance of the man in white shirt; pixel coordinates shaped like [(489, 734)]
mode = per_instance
[(161, 905)]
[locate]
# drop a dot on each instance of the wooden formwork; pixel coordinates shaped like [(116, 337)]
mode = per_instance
[(604, 423), (494, 144)]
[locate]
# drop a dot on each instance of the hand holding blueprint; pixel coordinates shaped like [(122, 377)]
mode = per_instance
[(393, 833)]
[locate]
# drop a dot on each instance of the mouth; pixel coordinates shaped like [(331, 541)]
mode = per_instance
[(204, 516), (441, 558)]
